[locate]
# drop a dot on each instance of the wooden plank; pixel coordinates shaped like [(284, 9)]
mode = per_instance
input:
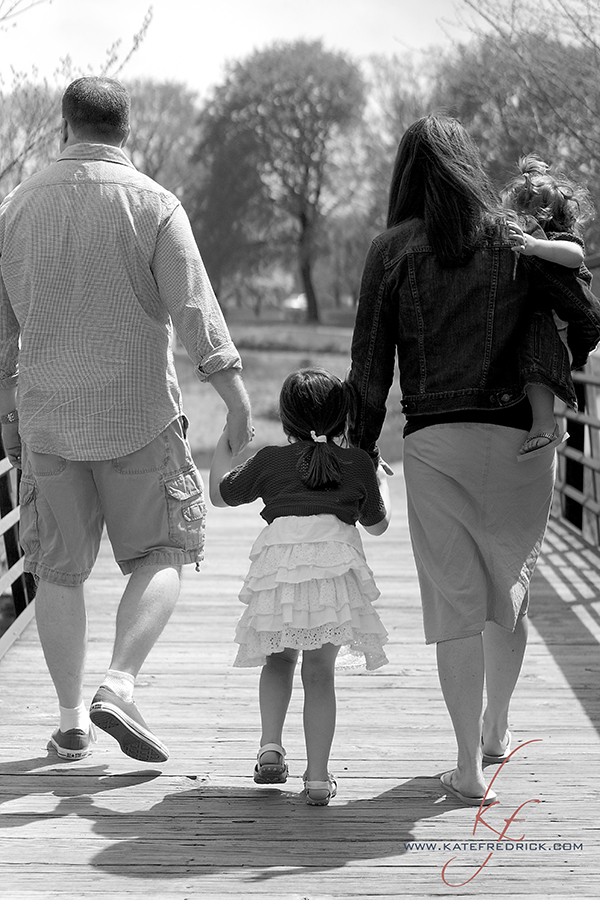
[(198, 826), (11, 575)]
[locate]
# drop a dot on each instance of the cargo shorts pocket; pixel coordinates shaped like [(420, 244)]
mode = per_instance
[(186, 508), (29, 537)]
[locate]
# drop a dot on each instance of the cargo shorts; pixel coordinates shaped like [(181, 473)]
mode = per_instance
[(151, 501)]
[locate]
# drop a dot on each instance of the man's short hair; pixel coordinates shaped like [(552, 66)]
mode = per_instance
[(97, 108)]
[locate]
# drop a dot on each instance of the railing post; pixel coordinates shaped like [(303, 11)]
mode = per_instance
[(23, 587), (574, 471)]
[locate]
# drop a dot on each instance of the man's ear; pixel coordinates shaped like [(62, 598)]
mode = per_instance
[(64, 133)]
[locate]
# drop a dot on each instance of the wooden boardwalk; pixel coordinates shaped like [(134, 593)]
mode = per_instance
[(198, 827)]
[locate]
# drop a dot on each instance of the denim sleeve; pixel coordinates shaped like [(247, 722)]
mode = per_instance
[(574, 302), (373, 354)]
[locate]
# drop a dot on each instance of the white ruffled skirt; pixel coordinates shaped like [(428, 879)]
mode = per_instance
[(309, 585)]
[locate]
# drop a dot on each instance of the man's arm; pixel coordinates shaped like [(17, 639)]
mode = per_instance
[(186, 292), (9, 352), (9, 423), (229, 386)]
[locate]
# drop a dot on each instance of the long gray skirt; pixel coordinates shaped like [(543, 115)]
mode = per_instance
[(477, 519)]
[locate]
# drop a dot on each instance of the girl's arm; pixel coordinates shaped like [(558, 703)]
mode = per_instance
[(384, 490), (220, 466), (565, 253)]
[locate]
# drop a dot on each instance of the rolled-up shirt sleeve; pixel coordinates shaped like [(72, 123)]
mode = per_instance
[(187, 293), (9, 341)]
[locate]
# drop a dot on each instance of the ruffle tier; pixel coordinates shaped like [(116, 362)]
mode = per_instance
[(308, 585)]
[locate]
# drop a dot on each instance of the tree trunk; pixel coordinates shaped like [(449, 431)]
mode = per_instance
[(305, 258)]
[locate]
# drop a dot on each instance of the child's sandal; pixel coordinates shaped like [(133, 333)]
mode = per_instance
[(319, 793), (270, 773)]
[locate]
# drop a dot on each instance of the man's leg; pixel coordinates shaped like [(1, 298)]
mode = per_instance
[(152, 500), (62, 625), (144, 610)]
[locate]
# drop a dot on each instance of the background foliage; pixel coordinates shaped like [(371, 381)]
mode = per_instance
[(284, 166)]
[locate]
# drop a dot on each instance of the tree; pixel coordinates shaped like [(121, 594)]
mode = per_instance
[(279, 114), (235, 222), (528, 81), (163, 131), (10, 9)]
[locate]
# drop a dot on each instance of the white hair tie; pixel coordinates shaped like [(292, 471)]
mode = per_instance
[(319, 438)]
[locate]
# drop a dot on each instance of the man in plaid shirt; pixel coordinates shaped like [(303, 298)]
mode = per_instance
[(98, 267)]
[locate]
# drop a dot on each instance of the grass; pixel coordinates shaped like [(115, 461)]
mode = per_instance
[(269, 353)]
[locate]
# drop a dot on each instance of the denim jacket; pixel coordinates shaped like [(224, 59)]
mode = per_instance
[(461, 335)]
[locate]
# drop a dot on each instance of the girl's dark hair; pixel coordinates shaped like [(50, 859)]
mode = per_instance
[(555, 201), (438, 177), (315, 401)]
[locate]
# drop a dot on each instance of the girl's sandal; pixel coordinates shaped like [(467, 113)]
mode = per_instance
[(270, 773), (319, 793)]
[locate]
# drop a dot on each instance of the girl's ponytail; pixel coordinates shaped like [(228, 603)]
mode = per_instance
[(318, 466), (314, 407)]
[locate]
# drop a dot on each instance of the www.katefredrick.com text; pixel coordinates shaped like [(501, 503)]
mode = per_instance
[(490, 845)]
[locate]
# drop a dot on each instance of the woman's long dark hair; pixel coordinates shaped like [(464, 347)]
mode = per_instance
[(438, 177), (313, 402)]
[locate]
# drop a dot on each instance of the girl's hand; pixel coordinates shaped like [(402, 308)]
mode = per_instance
[(521, 241)]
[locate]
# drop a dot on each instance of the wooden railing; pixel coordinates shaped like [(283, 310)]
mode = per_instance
[(12, 578), (577, 494)]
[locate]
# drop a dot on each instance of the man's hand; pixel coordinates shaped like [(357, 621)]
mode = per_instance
[(11, 440), (239, 429), (230, 387)]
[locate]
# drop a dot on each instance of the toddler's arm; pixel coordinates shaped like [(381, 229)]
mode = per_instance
[(384, 490), (565, 253), (221, 464)]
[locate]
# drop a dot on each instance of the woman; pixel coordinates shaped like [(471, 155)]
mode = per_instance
[(441, 291)]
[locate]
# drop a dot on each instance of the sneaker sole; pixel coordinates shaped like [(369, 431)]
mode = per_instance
[(69, 754), (132, 740)]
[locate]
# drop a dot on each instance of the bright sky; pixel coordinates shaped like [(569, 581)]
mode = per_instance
[(190, 40)]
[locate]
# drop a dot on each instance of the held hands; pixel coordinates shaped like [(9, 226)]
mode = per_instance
[(239, 430), (224, 453), (11, 441)]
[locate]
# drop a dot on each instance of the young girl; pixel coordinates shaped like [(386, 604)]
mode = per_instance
[(552, 212), (309, 587)]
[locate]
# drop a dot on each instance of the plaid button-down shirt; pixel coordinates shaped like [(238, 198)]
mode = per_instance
[(97, 264)]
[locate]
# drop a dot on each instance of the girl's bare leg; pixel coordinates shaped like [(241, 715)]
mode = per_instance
[(274, 694), (319, 708)]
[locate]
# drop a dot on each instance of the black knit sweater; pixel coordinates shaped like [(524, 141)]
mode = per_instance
[(272, 475)]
